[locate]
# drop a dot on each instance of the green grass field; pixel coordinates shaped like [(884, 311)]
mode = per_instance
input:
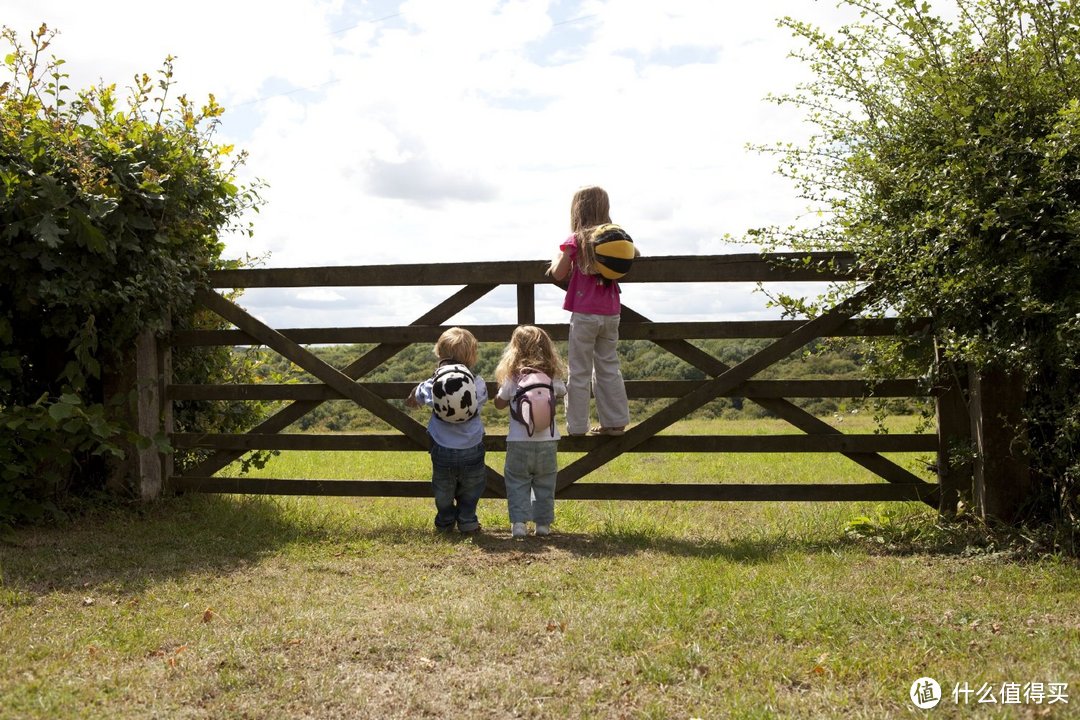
[(245, 607)]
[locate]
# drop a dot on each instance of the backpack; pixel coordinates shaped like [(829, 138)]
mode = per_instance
[(614, 250), (453, 393), (534, 401)]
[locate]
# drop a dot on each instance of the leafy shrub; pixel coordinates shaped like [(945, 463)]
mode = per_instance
[(945, 155), (110, 216)]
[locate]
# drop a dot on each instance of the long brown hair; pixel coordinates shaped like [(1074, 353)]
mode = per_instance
[(589, 208), (529, 347)]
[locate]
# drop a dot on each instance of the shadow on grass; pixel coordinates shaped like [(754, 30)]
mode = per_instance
[(130, 549), (629, 543)]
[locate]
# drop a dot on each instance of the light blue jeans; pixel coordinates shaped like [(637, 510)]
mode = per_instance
[(530, 481), (458, 479)]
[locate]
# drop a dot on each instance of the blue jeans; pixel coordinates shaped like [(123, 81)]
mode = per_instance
[(458, 479), (530, 481)]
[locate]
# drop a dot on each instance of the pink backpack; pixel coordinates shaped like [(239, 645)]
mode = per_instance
[(534, 402)]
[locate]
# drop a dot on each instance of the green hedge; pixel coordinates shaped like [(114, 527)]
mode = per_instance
[(111, 213)]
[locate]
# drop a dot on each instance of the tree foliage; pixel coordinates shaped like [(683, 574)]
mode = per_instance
[(946, 154), (111, 213)]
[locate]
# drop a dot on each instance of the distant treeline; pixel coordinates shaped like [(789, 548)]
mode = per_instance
[(641, 360)]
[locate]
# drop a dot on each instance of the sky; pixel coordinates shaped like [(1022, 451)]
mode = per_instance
[(410, 131)]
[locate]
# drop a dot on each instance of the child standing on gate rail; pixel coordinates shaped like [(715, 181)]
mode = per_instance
[(529, 378), (455, 396), (592, 298)]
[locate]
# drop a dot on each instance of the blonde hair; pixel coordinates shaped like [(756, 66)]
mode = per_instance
[(529, 347), (589, 208), (459, 345)]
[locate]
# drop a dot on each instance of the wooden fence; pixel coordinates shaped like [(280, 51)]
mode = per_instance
[(888, 481)]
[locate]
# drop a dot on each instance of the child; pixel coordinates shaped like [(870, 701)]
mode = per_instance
[(594, 322), (458, 472), (530, 448)]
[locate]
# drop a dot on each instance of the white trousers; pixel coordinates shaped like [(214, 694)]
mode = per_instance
[(592, 358)]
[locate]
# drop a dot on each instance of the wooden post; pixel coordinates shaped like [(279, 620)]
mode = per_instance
[(165, 379), (526, 304), (954, 469), (140, 471), (1002, 475)]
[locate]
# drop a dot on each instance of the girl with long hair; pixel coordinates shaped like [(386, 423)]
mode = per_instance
[(593, 302)]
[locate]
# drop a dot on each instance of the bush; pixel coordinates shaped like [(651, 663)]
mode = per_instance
[(110, 216), (945, 156)]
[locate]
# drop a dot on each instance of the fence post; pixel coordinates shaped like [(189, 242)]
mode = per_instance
[(526, 304), (140, 471), (954, 467), (165, 379), (1002, 475)]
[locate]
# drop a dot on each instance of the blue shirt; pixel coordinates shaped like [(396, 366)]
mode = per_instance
[(458, 436)]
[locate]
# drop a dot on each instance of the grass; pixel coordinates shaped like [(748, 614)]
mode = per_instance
[(212, 607)]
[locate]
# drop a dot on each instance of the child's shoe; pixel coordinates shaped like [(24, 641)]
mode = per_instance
[(518, 530), (543, 529)]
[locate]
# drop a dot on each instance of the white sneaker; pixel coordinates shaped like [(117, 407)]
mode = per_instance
[(519, 530), (543, 529)]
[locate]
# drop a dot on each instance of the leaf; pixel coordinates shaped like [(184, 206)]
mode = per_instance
[(89, 235), (554, 625), (208, 615), (61, 411), (48, 232)]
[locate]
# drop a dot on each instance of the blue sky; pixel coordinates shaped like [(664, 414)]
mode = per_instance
[(426, 130)]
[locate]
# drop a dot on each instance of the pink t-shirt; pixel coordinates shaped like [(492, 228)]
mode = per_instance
[(588, 293)]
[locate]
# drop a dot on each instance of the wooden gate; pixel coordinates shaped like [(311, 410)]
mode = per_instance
[(478, 279)]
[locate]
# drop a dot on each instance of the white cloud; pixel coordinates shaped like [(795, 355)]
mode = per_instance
[(429, 131)]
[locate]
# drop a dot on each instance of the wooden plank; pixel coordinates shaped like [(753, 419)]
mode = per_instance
[(862, 492), (336, 488), (838, 492), (711, 389), (750, 389), (747, 267), (361, 366), (628, 330), (497, 443), (276, 486)]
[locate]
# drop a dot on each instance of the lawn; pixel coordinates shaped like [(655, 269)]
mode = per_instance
[(245, 607)]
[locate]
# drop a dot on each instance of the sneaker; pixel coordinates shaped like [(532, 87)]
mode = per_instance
[(518, 530), (543, 529)]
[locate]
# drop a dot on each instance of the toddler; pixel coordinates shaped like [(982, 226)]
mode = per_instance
[(455, 395), (528, 376)]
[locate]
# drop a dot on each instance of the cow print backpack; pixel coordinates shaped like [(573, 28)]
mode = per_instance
[(453, 393)]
